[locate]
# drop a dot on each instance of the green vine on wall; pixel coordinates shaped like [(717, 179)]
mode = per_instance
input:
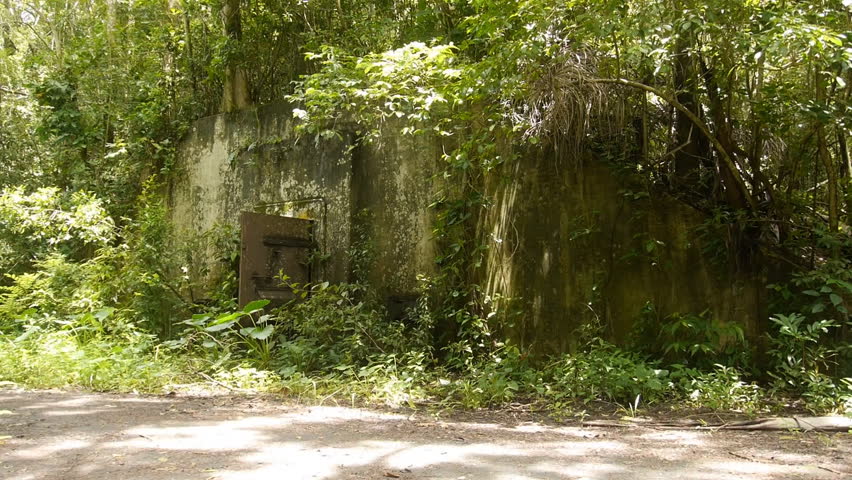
[(424, 90)]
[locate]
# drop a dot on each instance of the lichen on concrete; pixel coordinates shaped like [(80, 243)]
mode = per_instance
[(574, 247), (568, 244), (254, 161)]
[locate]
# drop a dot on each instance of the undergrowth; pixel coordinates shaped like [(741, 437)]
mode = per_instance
[(119, 319), (336, 345), (59, 360)]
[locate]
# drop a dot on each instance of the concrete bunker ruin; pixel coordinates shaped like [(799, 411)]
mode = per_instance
[(566, 242)]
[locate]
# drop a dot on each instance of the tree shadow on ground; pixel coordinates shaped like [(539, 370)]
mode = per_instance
[(70, 436)]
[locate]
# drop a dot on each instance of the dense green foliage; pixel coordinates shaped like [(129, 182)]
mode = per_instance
[(740, 108)]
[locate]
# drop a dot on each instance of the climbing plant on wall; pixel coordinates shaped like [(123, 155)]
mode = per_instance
[(738, 108)]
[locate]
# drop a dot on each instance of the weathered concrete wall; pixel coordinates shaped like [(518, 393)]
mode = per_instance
[(573, 243), (253, 161), (394, 188), (569, 241)]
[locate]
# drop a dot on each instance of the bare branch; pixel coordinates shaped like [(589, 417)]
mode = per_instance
[(12, 91), (705, 130)]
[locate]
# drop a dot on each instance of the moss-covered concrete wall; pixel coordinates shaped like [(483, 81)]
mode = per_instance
[(392, 193), (254, 161), (569, 241), (572, 242)]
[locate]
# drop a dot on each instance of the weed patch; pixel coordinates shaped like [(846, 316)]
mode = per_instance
[(59, 360)]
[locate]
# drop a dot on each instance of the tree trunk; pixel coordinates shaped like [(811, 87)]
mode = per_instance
[(693, 149), (235, 95), (737, 194), (740, 189), (825, 158), (190, 58), (845, 172), (755, 153)]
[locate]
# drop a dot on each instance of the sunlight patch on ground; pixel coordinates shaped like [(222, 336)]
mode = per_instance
[(424, 455), (588, 470), (304, 460), (48, 449), (248, 432), (68, 403), (330, 414), (682, 437), (201, 438), (80, 401), (754, 469), (246, 439), (64, 413), (583, 449), (530, 428)]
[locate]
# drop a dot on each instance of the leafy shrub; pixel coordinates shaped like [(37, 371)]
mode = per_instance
[(698, 340), (802, 360), (496, 379), (58, 359), (605, 372), (57, 289), (719, 389), (249, 378), (84, 309), (394, 379), (248, 330), (48, 222), (818, 325), (341, 325)]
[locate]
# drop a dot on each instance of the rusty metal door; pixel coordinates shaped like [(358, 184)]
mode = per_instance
[(272, 246)]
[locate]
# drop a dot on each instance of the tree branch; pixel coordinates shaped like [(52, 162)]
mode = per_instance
[(12, 91), (705, 130)]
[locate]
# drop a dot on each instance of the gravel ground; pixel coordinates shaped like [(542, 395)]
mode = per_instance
[(67, 435)]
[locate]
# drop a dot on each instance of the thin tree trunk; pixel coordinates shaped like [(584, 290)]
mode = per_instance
[(8, 43), (755, 153), (235, 95), (169, 59), (694, 151), (190, 59), (825, 159), (845, 172)]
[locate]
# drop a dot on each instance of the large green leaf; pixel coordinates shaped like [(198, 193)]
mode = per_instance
[(255, 306), (216, 327), (258, 333), (229, 317)]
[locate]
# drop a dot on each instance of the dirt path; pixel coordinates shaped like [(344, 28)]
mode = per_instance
[(62, 436)]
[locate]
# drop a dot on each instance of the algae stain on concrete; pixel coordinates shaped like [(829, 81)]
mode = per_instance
[(574, 250), (565, 243), (254, 161)]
